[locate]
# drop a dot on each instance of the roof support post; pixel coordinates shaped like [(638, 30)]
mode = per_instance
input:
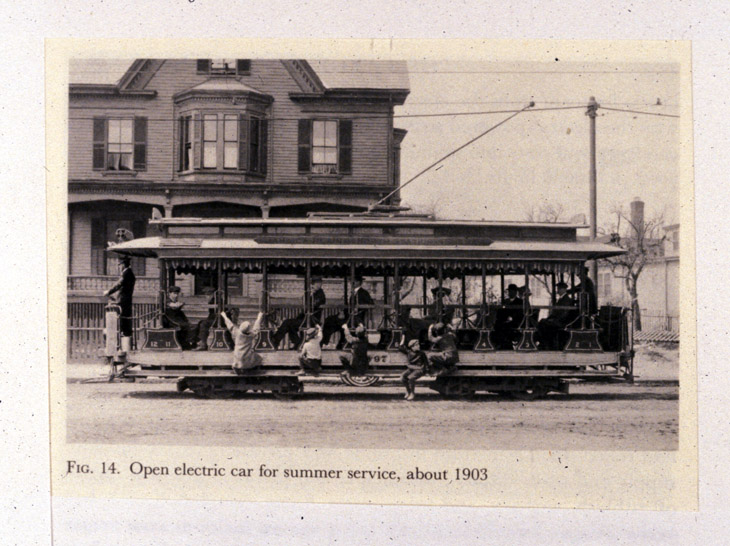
[(264, 343), (396, 330), (483, 342), (439, 298)]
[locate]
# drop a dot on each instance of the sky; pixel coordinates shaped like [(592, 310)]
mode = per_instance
[(540, 158)]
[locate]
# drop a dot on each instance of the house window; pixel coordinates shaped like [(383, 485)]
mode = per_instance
[(210, 141), (186, 143), (604, 285), (223, 141), (230, 141), (120, 144), (224, 66), (325, 146)]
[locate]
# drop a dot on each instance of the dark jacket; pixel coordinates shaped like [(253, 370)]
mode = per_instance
[(447, 345), (125, 287), (318, 301), (563, 316), (510, 310), (416, 359)]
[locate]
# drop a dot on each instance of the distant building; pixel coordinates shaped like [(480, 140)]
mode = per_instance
[(658, 285)]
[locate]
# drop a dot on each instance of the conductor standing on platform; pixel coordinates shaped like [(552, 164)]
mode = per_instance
[(125, 287)]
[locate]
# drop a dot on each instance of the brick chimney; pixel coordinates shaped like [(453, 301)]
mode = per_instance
[(637, 214)]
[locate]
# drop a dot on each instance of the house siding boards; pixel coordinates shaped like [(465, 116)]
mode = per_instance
[(275, 93), (370, 136)]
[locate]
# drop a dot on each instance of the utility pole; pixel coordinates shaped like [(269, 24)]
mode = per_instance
[(591, 113)]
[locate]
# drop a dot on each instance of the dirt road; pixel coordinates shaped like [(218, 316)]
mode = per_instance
[(592, 417)]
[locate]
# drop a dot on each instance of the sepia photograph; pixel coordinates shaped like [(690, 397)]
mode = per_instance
[(364, 254), (403, 274)]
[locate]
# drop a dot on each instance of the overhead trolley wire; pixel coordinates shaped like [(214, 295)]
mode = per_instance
[(380, 116), (639, 112), (492, 128)]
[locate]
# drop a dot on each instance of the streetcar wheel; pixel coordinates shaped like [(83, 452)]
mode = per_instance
[(359, 380), (531, 393)]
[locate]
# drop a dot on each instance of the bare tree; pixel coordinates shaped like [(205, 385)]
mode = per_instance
[(643, 242), (547, 212)]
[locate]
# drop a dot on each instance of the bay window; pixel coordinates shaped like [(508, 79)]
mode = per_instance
[(222, 141)]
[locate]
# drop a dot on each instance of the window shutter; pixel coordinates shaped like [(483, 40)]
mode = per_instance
[(140, 143), (264, 145), (197, 145), (180, 142), (243, 66), (99, 140), (204, 65), (242, 142), (305, 146), (345, 159), (98, 244)]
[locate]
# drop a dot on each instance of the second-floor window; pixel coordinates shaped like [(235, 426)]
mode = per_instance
[(223, 142), (120, 144), (325, 146)]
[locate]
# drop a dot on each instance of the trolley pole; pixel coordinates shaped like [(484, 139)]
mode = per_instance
[(591, 113)]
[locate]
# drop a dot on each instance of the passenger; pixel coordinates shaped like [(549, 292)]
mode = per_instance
[(590, 289), (443, 341), (318, 300), (293, 326), (416, 367), (245, 359), (447, 314), (509, 319), (361, 297), (176, 318), (203, 328), (549, 329), (358, 363), (332, 325), (125, 287), (310, 357)]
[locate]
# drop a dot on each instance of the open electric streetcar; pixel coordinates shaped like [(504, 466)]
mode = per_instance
[(394, 249)]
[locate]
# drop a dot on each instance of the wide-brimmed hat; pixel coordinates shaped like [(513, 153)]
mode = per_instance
[(561, 284), (445, 291), (512, 287), (175, 290), (316, 279), (310, 332), (126, 260)]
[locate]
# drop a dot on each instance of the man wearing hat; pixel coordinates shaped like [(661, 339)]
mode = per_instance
[(318, 299), (358, 363), (549, 329), (447, 315), (175, 318), (125, 287), (310, 357), (509, 318), (416, 367), (361, 298), (590, 289)]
